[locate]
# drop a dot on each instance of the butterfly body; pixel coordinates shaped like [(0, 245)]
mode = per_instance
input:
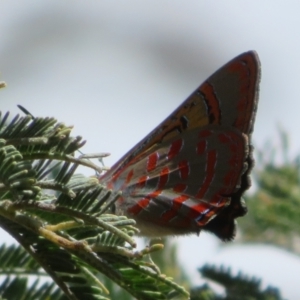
[(190, 172)]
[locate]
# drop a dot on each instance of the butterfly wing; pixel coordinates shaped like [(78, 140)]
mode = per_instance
[(190, 172)]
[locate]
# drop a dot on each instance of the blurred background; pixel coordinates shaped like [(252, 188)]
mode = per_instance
[(115, 70)]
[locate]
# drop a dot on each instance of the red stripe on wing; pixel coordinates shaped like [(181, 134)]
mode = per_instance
[(179, 188), (152, 161), (163, 177), (184, 169), (175, 148), (173, 212), (212, 103), (210, 171)]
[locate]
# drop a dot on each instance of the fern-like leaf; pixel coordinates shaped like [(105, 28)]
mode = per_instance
[(64, 220)]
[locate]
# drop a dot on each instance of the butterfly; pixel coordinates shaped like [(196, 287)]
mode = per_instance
[(190, 172)]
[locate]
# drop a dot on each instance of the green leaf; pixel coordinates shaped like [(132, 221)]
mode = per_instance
[(64, 221)]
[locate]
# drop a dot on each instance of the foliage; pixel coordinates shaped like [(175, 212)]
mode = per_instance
[(274, 207), (167, 261), (238, 287), (66, 230), (63, 221)]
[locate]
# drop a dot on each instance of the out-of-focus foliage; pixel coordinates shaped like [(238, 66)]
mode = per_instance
[(238, 287), (274, 207)]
